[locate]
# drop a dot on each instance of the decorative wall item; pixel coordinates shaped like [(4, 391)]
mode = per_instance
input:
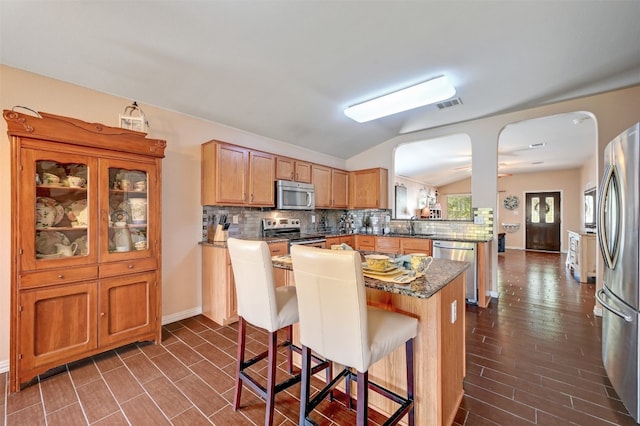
[(130, 121), (511, 202)]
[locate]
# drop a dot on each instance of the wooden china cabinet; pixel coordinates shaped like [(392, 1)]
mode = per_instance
[(85, 244)]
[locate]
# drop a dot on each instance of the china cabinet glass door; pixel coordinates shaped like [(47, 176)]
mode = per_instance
[(58, 205), (129, 225)]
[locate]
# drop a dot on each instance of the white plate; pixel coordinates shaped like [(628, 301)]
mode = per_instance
[(46, 241), (46, 206), (77, 212)]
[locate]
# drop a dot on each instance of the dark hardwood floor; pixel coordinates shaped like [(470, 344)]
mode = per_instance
[(533, 357)]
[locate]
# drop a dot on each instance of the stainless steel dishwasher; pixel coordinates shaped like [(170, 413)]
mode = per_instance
[(466, 252)]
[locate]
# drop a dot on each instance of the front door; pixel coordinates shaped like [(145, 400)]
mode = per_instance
[(543, 221)]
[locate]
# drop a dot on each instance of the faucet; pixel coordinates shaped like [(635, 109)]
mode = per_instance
[(411, 225)]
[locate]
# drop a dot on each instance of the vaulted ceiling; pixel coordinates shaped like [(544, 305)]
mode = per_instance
[(287, 69)]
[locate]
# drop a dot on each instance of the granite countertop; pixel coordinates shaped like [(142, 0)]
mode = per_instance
[(440, 273), (420, 236)]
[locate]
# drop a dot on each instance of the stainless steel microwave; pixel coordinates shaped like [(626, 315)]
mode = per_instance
[(294, 195)]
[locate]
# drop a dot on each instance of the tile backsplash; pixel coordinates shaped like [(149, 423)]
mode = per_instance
[(328, 221)]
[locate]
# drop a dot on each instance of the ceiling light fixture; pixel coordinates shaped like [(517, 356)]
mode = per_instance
[(425, 93)]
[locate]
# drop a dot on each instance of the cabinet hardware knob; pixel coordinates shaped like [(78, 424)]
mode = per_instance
[(60, 276), (101, 314), (130, 266)]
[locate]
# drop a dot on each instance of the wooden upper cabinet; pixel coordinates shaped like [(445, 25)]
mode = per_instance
[(321, 178), (292, 169), (369, 189), (261, 179), (331, 187), (339, 189), (233, 175)]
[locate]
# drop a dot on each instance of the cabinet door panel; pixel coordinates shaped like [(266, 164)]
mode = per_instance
[(231, 174), (127, 307), (285, 168), (57, 324), (129, 201), (262, 178), (339, 189), (321, 177), (54, 215)]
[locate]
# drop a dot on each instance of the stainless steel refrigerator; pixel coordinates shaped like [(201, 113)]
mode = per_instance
[(618, 228)]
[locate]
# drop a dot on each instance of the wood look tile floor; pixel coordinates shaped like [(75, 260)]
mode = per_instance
[(533, 357)]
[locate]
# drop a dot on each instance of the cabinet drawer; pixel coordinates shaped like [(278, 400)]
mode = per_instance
[(58, 276), (415, 245), (127, 267), (388, 244), (365, 242), (279, 249)]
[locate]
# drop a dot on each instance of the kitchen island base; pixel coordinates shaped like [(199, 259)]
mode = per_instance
[(439, 350)]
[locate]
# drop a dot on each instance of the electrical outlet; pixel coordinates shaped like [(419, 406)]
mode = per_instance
[(234, 219), (313, 219), (454, 311)]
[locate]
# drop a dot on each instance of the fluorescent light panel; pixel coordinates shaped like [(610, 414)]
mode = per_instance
[(428, 92)]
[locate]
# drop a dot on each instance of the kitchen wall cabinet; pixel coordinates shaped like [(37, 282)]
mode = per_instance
[(86, 236), (369, 189), (236, 176), (292, 169), (331, 187), (581, 256)]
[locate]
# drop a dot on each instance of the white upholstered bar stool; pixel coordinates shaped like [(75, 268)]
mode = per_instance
[(337, 324), (263, 305)]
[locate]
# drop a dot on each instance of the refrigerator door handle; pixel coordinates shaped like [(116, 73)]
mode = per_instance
[(600, 296), (610, 257)]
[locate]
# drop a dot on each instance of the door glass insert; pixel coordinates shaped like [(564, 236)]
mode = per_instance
[(128, 206), (61, 210), (549, 209), (535, 211)]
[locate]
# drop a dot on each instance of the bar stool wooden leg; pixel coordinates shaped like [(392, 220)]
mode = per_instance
[(305, 382), (410, 378), (362, 404), (290, 349), (242, 334), (271, 377)]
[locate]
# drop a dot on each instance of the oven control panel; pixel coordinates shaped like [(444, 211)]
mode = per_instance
[(280, 223)]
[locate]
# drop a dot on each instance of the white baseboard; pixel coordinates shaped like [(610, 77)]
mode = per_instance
[(4, 366), (494, 294), (597, 311), (167, 319)]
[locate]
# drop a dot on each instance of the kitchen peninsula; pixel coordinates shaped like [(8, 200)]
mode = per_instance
[(437, 301)]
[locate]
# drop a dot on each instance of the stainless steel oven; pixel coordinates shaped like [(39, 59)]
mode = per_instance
[(290, 229)]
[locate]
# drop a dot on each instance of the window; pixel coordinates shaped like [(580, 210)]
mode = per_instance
[(459, 207)]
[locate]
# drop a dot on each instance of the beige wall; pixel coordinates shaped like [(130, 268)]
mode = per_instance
[(567, 182), (182, 213), (613, 112)]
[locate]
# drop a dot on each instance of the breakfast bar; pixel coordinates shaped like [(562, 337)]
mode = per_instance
[(437, 300)]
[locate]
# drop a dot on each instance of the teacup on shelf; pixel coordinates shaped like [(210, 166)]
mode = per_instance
[(76, 181)]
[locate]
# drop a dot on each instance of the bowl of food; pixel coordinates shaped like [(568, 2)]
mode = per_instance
[(378, 262)]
